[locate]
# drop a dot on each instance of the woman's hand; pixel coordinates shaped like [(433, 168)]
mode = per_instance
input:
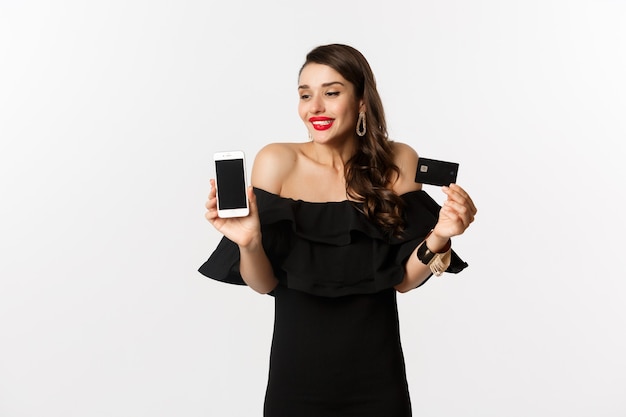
[(456, 214), (244, 231)]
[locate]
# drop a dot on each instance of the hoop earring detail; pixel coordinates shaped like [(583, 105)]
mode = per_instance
[(361, 124)]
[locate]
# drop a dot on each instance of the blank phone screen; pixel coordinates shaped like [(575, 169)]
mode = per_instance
[(231, 184)]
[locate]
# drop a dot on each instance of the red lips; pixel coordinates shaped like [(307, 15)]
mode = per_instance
[(321, 123)]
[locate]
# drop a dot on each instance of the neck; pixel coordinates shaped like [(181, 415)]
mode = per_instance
[(332, 156)]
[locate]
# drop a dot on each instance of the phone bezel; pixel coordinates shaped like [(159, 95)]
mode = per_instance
[(225, 156)]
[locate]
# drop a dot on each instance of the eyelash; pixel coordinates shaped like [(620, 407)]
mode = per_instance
[(330, 93)]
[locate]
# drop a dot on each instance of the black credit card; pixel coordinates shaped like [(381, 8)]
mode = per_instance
[(436, 172)]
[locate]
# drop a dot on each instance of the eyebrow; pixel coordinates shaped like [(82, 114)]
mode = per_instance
[(304, 87)]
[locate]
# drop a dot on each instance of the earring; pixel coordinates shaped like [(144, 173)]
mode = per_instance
[(310, 136), (361, 124)]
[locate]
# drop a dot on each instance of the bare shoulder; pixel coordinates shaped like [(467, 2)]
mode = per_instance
[(405, 157), (272, 165)]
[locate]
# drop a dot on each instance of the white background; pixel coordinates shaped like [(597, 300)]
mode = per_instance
[(110, 112)]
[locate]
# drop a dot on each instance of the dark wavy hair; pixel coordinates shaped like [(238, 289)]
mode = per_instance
[(370, 171)]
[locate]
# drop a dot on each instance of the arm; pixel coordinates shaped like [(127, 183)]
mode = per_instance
[(268, 171), (415, 272), (254, 266), (455, 216), (271, 165)]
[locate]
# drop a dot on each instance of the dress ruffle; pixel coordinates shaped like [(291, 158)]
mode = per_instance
[(330, 249)]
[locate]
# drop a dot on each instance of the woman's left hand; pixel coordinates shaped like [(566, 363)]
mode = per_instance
[(456, 214)]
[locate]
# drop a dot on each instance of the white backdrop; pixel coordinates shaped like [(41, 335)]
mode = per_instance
[(110, 112)]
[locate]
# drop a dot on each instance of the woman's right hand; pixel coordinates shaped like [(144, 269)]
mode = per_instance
[(244, 231)]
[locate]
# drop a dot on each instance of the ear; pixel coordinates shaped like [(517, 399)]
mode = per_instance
[(362, 106)]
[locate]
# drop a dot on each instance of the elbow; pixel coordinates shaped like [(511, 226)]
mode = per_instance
[(403, 287), (264, 289), (410, 283)]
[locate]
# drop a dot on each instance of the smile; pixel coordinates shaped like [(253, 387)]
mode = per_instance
[(321, 123)]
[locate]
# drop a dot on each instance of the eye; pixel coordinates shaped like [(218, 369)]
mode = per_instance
[(305, 96), (332, 93)]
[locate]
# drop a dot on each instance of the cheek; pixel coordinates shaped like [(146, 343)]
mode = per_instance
[(350, 114), (349, 111)]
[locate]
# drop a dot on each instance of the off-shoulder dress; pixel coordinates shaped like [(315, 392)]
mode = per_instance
[(336, 348)]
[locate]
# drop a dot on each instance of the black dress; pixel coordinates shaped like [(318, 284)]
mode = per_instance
[(336, 347)]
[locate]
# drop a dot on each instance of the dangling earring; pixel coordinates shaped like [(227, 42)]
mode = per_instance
[(310, 136), (361, 124)]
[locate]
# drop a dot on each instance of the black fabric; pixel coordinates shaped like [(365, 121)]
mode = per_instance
[(336, 348), (330, 249), (336, 357)]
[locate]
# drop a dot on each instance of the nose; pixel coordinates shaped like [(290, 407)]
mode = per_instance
[(316, 104)]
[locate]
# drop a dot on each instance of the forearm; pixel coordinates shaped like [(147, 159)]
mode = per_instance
[(255, 268), (416, 272)]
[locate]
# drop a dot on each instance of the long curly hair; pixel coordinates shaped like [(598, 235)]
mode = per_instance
[(371, 169)]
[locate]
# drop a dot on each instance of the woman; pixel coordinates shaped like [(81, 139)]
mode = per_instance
[(337, 226)]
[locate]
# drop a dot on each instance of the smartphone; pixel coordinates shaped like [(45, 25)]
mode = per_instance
[(231, 184), (436, 172)]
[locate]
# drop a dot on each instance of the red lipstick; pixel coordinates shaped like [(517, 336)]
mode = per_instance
[(321, 123)]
